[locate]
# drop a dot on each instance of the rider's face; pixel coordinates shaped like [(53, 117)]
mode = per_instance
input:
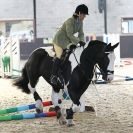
[(82, 16)]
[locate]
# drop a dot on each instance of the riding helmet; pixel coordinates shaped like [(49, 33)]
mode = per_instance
[(82, 9)]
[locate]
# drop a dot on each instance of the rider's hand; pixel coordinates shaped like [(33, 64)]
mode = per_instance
[(72, 47), (82, 43)]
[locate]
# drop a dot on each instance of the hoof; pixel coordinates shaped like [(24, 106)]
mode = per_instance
[(39, 106), (89, 108), (62, 122), (51, 109), (70, 123), (39, 111)]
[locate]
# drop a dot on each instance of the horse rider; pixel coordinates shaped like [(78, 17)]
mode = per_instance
[(64, 38)]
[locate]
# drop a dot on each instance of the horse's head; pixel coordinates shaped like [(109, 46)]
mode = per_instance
[(105, 61), (96, 52)]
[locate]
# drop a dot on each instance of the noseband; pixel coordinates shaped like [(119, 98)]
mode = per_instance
[(109, 72)]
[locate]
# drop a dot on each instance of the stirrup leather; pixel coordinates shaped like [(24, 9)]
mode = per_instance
[(54, 79)]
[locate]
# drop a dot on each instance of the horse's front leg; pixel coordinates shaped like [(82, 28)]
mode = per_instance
[(60, 112), (69, 117), (38, 104), (70, 113)]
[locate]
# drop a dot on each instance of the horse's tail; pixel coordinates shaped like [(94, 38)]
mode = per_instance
[(22, 82)]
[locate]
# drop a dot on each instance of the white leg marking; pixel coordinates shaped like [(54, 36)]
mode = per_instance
[(62, 119), (32, 90), (82, 102), (39, 105), (70, 122), (55, 98), (76, 108)]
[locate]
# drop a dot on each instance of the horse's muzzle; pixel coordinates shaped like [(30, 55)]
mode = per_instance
[(108, 78)]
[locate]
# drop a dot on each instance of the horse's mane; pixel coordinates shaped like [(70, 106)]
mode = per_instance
[(96, 43), (94, 47)]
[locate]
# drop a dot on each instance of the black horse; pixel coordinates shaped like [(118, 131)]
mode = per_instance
[(77, 71)]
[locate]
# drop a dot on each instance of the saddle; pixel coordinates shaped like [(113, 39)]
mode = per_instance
[(65, 55)]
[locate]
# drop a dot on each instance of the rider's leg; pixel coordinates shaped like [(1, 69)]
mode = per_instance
[(57, 62), (58, 51)]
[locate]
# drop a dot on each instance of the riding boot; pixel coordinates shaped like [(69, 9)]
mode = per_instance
[(56, 67)]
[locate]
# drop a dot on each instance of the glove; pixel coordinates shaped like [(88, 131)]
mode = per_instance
[(72, 47), (82, 43)]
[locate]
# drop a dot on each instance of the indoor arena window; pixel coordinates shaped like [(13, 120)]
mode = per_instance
[(127, 25), (23, 29)]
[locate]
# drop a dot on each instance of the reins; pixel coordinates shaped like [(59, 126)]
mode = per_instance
[(79, 64)]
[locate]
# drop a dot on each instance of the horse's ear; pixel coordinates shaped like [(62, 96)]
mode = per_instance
[(111, 48), (109, 45), (114, 46)]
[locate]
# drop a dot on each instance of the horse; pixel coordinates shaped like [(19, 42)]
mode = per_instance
[(77, 71)]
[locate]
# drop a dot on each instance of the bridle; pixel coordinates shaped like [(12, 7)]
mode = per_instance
[(108, 72)]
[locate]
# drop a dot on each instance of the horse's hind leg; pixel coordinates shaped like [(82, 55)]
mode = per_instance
[(38, 104), (32, 83)]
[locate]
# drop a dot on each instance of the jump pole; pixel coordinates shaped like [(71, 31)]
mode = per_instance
[(118, 80), (24, 107), (27, 116)]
